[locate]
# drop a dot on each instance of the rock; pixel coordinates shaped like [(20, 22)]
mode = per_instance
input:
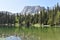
[(13, 38)]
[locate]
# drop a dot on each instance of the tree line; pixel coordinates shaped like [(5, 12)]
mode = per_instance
[(45, 16)]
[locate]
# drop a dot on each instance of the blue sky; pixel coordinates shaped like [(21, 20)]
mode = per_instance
[(17, 5)]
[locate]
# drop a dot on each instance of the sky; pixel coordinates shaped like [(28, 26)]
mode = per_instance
[(16, 6)]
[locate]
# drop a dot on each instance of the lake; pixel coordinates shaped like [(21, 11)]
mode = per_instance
[(48, 33)]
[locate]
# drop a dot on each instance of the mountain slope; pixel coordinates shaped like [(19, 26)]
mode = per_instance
[(32, 9)]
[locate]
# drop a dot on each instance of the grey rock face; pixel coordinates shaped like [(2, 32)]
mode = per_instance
[(32, 9)]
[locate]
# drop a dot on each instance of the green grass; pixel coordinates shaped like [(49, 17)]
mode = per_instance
[(33, 33)]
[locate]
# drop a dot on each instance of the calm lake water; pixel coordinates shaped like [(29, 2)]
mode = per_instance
[(31, 33)]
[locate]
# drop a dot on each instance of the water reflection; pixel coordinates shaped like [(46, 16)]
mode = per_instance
[(13, 38)]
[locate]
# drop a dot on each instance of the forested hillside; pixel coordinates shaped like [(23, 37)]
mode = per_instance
[(45, 16)]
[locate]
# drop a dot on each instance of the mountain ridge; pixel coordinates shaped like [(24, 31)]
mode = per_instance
[(31, 9)]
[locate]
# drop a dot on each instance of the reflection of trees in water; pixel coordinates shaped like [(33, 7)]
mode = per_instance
[(31, 34)]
